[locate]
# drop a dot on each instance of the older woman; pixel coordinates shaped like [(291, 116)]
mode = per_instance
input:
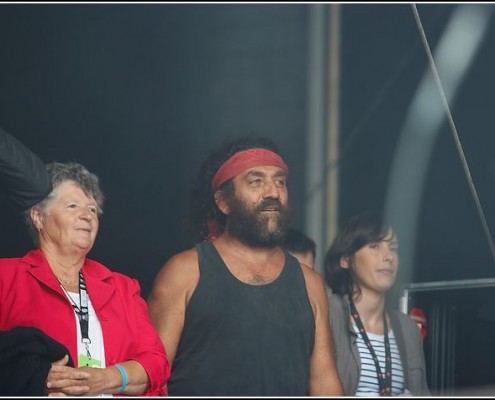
[(379, 350), (97, 314)]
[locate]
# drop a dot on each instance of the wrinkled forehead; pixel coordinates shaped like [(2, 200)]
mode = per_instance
[(71, 191), (70, 187)]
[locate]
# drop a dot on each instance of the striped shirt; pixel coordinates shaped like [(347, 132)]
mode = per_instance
[(368, 381)]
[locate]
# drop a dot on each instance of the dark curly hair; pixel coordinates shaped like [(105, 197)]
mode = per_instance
[(202, 202), (297, 241)]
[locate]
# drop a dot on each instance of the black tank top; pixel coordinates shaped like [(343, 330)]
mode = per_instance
[(244, 340)]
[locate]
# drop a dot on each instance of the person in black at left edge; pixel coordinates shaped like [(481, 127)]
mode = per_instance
[(24, 179)]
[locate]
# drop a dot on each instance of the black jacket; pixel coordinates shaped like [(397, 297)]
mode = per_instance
[(26, 355)]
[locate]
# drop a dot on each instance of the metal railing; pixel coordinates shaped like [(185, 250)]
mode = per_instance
[(442, 320)]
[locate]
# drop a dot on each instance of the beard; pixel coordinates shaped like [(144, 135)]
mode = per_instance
[(254, 228)]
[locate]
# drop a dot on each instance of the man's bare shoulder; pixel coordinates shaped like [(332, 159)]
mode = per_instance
[(172, 289), (184, 259), (314, 283), (179, 267), (310, 274)]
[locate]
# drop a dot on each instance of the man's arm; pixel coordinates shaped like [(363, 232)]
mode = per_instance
[(23, 176), (324, 379), (167, 303)]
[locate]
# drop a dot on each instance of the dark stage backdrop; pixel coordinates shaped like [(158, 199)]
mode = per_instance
[(140, 93), (383, 61)]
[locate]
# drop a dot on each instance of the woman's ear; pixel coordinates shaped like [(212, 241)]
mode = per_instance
[(344, 262), (37, 218), (221, 203)]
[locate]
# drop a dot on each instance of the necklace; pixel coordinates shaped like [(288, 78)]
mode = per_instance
[(67, 282)]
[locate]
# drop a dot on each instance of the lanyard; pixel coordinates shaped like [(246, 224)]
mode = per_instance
[(385, 382), (82, 311)]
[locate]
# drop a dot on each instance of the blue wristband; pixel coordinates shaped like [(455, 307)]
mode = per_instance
[(124, 377)]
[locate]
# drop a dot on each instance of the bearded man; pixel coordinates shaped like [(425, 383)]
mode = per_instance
[(238, 315)]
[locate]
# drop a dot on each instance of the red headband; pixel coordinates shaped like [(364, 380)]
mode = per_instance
[(244, 160)]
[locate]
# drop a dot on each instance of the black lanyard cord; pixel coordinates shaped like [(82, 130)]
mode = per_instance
[(384, 381), (82, 311)]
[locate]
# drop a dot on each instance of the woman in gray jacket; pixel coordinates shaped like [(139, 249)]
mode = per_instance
[(379, 350)]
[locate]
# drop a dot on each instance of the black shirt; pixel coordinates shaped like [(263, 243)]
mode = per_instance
[(244, 340)]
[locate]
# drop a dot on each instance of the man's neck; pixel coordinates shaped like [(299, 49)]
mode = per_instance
[(260, 252), (254, 265)]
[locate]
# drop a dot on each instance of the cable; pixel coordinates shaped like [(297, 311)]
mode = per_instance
[(454, 131)]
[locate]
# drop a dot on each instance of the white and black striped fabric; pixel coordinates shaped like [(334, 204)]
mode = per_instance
[(368, 381)]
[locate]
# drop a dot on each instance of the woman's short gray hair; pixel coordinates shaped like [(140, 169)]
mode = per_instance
[(63, 172)]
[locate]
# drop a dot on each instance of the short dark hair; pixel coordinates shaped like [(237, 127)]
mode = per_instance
[(202, 201), (298, 242), (358, 231)]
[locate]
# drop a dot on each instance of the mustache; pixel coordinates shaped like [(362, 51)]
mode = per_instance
[(270, 203)]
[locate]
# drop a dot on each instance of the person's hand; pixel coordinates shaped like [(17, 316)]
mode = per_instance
[(63, 380)]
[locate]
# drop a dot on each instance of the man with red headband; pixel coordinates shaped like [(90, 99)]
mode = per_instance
[(238, 315)]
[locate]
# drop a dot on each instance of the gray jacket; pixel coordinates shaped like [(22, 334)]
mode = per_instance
[(408, 339)]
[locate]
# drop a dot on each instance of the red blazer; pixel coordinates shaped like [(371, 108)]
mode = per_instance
[(30, 295)]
